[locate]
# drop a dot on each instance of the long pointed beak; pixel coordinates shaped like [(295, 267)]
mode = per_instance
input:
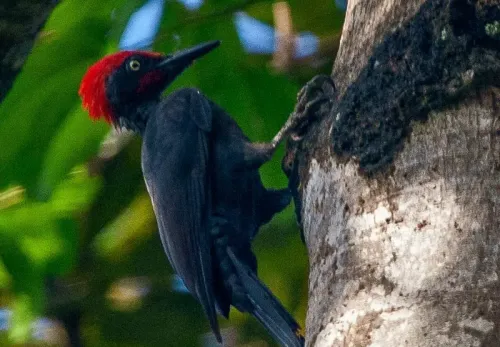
[(184, 58)]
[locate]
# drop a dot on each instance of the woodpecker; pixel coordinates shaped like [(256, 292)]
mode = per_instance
[(201, 173)]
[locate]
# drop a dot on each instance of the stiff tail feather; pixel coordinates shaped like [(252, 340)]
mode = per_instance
[(266, 307)]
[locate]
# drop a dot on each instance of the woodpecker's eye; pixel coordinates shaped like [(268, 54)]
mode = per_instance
[(134, 65)]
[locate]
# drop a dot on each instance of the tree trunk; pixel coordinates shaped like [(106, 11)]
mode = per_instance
[(399, 193), (20, 22)]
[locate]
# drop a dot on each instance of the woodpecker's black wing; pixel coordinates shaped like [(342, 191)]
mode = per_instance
[(176, 162)]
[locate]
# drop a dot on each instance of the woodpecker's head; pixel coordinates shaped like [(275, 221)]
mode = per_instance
[(132, 77)]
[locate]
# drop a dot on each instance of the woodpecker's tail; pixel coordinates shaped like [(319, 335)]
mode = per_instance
[(266, 307)]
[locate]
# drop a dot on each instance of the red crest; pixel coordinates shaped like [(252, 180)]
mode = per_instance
[(93, 86)]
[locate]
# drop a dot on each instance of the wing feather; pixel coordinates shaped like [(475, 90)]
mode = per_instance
[(176, 167)]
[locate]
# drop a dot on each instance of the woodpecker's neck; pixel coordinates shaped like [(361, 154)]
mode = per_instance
[(133, 116)]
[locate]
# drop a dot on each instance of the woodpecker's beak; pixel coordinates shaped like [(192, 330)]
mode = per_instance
[(181, 60)]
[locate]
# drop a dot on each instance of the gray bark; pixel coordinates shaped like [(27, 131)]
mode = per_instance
[(404, 251), (20, 22)]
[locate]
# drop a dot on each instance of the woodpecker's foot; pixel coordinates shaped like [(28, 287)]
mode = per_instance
[(313, 100)]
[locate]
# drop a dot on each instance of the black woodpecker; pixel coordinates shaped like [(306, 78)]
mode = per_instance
[(202, 175)]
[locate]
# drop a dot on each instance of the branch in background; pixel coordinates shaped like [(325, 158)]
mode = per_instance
[(228, 11), (20, 22), (285, 37)]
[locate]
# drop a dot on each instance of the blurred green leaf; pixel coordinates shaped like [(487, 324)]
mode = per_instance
[(26, 305), (126, 232), (75, 194), (76, 141), (5, 278)]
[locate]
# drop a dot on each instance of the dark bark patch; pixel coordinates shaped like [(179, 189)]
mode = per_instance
[(447, 49)]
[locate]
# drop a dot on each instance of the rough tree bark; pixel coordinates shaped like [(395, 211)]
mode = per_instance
[(20, 22), (398, 182)]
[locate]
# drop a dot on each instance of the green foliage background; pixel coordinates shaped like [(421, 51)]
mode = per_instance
[(72, 224)]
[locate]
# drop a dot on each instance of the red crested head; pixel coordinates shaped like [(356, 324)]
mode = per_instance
[(116, 86), (93, 86)]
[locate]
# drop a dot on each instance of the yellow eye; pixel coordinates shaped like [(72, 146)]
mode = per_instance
[(134, 65)]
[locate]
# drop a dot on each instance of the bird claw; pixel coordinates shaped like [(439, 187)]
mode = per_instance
[(310, 101), (321, 83)]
